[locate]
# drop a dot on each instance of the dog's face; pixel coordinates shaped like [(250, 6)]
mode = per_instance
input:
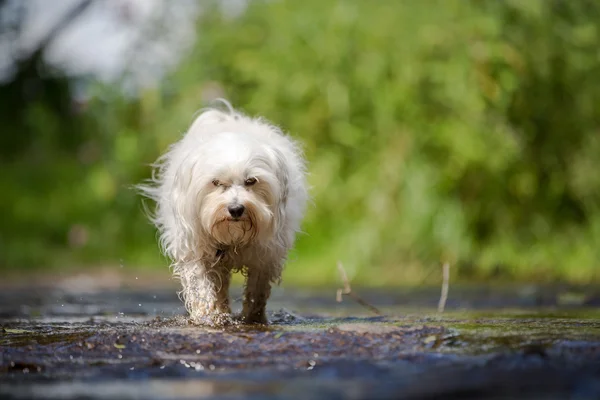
[(240, 196), (236, 209)]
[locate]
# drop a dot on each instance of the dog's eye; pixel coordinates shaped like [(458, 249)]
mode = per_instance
[(216, 182), (250, 181)]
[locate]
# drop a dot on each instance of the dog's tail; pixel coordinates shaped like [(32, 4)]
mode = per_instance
[(215, 114)]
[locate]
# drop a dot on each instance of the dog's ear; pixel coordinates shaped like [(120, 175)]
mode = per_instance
[(185, 192), (283, 176), (213, 115), (208, 117)]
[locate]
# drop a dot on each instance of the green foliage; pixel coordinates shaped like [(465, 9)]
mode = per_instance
[(437, 130)]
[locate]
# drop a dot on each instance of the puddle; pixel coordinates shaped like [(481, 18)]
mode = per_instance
[(60, 347)]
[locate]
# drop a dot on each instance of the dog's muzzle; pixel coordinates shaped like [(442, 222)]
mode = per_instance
[(236, 210)]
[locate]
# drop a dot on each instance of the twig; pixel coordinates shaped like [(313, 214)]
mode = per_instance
[(444, 294), (347, 290)]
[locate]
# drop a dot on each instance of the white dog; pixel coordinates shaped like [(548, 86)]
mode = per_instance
[(230, 196)]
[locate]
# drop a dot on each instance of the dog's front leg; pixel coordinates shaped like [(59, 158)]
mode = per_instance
[(257, 292), (221, 305), (206, 294)]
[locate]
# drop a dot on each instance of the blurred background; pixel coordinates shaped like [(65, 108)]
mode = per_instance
[(437, 131)]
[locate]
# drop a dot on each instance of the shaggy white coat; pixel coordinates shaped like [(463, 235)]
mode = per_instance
[(228, 159)]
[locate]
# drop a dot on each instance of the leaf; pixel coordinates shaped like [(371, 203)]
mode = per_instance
[(16, 331), (429, 339)]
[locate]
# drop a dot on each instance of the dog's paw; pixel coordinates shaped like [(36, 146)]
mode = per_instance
[(254, 319), (213, 320)]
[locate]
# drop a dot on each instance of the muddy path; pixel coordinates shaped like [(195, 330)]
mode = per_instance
[(137, 344)]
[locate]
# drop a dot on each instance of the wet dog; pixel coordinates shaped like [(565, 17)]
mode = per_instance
[(230, 196)]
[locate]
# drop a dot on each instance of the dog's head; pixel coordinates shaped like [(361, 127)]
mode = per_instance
[(243, 189), (230, 181)]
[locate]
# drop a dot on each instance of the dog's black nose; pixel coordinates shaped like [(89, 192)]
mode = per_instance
[(236, 210)]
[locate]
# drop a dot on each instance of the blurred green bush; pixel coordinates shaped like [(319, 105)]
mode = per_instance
[(438, 130)]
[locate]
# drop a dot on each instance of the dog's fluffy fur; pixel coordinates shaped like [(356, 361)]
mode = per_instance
[(224, 162)]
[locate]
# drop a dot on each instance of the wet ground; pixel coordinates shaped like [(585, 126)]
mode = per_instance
[(135, 343)]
